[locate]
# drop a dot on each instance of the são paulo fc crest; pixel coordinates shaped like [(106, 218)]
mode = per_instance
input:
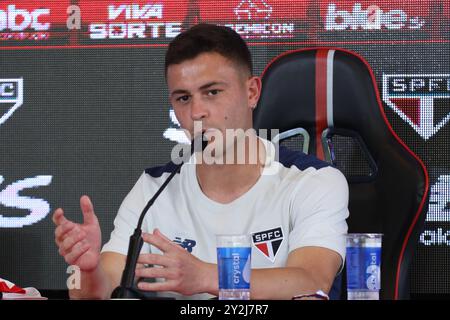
[(268, 242), (422, 100), (11, 97)]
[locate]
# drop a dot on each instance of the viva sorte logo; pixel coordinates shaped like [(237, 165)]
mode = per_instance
[(130, 21), (421, 100)]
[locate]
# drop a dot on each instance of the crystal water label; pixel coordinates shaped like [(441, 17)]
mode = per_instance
[(363, 268), (234, 265)]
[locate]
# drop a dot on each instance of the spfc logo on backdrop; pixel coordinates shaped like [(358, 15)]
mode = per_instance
[(11, 97), (422, 100), (268, 242)]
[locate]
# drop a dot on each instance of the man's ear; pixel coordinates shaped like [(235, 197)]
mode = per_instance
[(254, 91)]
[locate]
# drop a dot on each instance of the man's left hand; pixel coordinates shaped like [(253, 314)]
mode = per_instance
[(182, 272)]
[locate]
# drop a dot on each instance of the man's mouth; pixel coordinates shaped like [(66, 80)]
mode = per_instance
[(209, 133)]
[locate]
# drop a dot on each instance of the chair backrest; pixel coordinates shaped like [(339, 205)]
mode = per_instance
[(332, 95)]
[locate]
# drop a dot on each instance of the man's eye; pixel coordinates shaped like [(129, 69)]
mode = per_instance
[(213, 92), (183, 98)]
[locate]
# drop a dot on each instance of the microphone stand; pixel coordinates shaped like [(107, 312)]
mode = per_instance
[(126, 290)]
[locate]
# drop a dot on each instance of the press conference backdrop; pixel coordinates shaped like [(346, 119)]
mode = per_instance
[(84, 107)]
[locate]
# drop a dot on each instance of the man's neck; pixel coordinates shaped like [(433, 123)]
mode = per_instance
[(226, 182)]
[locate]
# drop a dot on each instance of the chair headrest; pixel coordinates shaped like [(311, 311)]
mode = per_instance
[(322, 88)]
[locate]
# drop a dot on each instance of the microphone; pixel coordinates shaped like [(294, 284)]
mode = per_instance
[(126, 290)]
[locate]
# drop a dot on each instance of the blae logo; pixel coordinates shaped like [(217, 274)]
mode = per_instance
[(268, 242), (422, 100), (371, 18)]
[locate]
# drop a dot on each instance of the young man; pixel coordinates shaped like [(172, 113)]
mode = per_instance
[(298, 199)]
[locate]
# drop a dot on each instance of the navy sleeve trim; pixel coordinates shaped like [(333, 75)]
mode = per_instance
[(302, 161), (157, 172)]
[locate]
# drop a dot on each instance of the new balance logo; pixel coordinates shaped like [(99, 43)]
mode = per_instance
[(187, 244)]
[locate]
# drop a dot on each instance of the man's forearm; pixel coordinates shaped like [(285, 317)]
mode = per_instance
[(94, 285), (211, 279), (283, 283), (273, 283)]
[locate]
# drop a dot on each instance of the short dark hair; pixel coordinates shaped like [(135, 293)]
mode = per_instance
[(204, 38)]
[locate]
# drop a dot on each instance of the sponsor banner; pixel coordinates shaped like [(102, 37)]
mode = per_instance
[(136, 20), (123, 11), (254, 10), (375, 15), (159, 21), (203, 10), (410, 8), (382, 20), (264, 19), (165, 19), (32, 21)]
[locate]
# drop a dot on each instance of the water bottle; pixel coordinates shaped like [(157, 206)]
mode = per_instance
[(234, 266), (363, 262), (362, 295)]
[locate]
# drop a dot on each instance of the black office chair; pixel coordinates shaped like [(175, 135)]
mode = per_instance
[(326, 102)]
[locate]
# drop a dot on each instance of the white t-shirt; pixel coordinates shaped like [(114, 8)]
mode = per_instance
[(298, 201)]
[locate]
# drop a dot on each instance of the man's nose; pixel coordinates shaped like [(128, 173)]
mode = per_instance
[(198, 109)]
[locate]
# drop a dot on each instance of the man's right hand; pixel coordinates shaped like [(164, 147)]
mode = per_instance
[(79, 244)]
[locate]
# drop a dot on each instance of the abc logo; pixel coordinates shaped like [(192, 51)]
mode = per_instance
[(20, 19)]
